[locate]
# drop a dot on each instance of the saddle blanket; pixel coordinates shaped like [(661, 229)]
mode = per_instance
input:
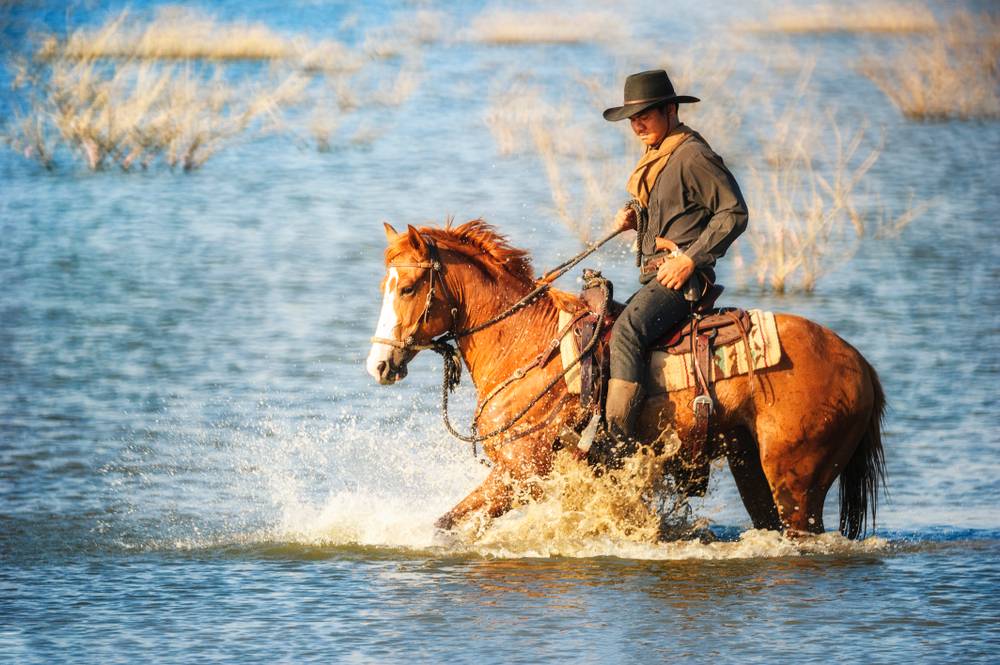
[(669, 372)]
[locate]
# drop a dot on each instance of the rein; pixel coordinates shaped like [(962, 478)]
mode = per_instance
[(452, 367)]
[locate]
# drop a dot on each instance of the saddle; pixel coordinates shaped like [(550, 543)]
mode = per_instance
[(704, 330)]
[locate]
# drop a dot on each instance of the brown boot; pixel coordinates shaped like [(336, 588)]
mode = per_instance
[(621, 409)]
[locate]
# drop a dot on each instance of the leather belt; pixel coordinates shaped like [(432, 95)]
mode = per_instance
[(654, 264)]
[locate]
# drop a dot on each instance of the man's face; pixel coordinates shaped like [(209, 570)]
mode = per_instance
[(651, 126)]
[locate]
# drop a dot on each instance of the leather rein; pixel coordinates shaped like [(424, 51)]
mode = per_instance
[(452, 370)]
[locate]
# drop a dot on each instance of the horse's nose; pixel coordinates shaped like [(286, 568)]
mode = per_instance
[(382, 368)]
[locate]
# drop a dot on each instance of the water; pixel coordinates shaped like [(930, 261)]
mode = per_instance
[(194, 464)]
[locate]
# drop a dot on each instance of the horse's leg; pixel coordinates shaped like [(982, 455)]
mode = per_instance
[(744, 463), (820, 411), (493, 496), (515, 466)]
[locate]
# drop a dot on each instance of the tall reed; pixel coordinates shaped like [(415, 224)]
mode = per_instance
[(502, 26), (862, 17), (132, 93), (953, 72)]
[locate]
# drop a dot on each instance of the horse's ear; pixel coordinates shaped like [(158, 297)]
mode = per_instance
[(416, 240), (390, 233)]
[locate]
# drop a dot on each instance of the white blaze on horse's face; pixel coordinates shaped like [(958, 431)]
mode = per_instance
[(386, 328)]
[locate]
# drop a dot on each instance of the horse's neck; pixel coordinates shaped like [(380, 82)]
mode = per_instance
[(494, 353)]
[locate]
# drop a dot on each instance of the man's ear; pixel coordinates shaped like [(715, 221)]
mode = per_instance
[(390, 233), (416, 240)]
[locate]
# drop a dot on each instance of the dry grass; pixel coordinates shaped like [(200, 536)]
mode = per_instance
[(132, 94), (879, 17), (804, 219), (540, 27), (137, 113), (397, 40), (805, 178), (521, 121), (952, 73), (177, 33)]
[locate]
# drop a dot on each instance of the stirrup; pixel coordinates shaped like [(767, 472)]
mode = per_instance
[(610, 451)]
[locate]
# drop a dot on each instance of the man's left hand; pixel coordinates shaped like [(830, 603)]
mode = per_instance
[(675, 272)]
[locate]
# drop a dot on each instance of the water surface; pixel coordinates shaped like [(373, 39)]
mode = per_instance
[(194, 464)]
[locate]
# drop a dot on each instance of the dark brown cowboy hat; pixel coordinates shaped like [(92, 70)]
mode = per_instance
[(644, 90)]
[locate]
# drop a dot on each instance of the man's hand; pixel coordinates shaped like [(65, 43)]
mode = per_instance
[(675, 272), (625, 219)]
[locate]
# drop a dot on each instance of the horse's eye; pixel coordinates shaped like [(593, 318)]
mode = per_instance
[(406, 291)]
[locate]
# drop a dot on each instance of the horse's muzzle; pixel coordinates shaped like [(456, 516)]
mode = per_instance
[(386, 364), (388, 373)]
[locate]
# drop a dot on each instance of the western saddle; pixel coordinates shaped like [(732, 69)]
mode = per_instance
[(706, 329)]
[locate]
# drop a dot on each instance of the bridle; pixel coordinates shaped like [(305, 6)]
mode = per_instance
[(435, 268)]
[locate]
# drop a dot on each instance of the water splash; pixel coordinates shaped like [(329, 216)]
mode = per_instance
[(380, 486)]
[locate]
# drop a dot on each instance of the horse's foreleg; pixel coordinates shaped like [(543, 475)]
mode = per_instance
[(516, 465), (493, 497)]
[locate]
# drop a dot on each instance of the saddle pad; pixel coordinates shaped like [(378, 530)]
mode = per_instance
[(569, 352), (668, 372)]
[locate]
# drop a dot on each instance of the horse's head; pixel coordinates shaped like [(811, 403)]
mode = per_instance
[(416, 305)]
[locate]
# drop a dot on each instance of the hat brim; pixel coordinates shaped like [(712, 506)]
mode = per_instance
[(628, 110)]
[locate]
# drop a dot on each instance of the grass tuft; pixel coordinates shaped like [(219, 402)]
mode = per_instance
[(885, 18), (131, 94), (539, 27), (952, 73)]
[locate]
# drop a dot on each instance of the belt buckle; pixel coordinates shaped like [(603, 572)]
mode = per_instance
[(702, 400)]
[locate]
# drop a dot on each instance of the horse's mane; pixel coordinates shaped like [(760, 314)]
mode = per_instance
[(487, 248)]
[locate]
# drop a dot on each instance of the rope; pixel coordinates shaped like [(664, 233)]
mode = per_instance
[(641, 223), (452, 371)]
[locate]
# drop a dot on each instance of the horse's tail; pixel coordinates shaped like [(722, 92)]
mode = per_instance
[(865, 471)]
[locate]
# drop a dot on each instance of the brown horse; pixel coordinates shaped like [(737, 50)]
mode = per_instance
[(815, 416)]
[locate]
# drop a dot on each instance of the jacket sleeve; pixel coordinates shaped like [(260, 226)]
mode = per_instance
[(712, 186)]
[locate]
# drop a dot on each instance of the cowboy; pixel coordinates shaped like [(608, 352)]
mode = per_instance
[(688, 210)]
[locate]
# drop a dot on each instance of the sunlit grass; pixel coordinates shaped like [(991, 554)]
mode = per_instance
[(952, 73), (177, 33), (131, 94), (545, 27), (868, 17)]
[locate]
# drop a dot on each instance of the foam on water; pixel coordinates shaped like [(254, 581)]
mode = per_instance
[(351, 484)]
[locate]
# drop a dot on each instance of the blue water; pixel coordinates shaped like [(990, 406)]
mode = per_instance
[(194, 464)]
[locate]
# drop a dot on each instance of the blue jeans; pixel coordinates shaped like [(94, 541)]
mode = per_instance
[(650, 313)]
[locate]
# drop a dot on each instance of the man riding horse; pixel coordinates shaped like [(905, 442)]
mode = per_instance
[(814, 417), (688, 210)]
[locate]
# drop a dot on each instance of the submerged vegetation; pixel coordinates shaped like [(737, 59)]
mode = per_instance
[(540, 27), (131, 93), (938, 66), (951, 72), (876, 17), (178, 86)]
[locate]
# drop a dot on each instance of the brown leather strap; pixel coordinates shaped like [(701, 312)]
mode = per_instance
[(541, 360), (653, 264), (701, 352)]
